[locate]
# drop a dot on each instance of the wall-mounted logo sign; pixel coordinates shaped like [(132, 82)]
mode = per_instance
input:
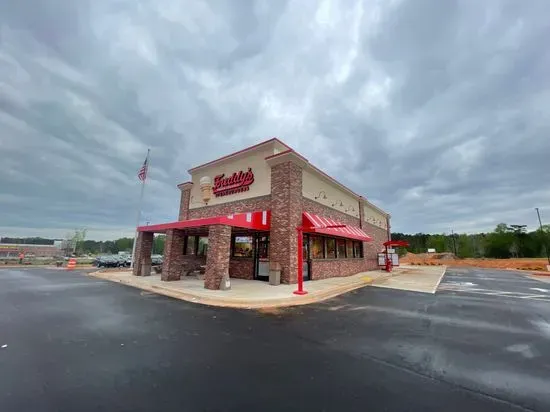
[(236, 183)]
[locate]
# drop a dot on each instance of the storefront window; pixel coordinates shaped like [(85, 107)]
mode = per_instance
[(349, 248), (357, 249), (341, 248), (317, 247), (190, 245), (331, 248), (203, 246), (243, 246)]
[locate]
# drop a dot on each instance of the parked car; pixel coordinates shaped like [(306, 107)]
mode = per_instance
[(157, 260), (107, 261)]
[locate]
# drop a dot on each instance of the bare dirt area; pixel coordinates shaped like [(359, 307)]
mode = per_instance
[(450, 260)]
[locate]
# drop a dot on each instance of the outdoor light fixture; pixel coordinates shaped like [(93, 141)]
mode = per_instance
[(338, 203), (319, 195), (350, 208)]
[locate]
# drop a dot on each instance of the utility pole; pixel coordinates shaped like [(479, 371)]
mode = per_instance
[(543, 236), (454, 242)]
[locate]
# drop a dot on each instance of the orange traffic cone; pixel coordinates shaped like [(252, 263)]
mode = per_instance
[(71, 264)]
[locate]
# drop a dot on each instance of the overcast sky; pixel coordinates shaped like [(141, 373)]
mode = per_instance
[(437, 111)]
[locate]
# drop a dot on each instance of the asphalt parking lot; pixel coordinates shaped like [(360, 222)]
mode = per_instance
[(79, 343)]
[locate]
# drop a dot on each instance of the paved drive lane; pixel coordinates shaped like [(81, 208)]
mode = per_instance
[(77, 343)]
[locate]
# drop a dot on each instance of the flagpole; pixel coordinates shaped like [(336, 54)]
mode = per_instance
[(139, 211)]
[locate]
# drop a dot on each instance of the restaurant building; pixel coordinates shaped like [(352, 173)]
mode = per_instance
[(244, 213)]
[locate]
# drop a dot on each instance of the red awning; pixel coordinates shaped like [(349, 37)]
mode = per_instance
[(396, 243), (318, 224), (251, 220)]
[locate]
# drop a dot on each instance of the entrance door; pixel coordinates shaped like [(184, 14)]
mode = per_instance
[(306, 268), (261, 257)]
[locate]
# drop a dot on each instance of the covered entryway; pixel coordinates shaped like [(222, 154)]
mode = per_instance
[(235, 245)]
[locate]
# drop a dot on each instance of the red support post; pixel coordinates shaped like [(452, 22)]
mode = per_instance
[(300, 290)]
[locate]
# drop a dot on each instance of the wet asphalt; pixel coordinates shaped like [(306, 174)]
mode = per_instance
[(481, 343)]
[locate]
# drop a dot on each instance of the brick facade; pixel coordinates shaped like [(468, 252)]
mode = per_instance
[(192, 263), (173, 255), (247, 205), (242, 268), (142, 258), (286, 216), (329, 268), (371, 249), (217, 259)]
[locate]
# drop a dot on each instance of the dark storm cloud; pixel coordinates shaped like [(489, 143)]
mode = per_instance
[(437, 111)]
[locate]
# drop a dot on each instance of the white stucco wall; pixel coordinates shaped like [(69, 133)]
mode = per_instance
[(374, 217), (315, 187)]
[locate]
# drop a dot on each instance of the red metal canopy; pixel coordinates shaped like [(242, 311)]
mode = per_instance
[(318, 224), (260, 220), (403, 243)]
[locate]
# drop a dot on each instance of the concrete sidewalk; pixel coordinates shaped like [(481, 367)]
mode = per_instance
[(249, 294), (424, 279)]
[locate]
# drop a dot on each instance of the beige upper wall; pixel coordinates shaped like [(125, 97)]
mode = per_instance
[(374, 217), (315, 185), (254, 159)]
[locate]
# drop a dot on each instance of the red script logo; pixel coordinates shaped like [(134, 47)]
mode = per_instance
[(236, 183)]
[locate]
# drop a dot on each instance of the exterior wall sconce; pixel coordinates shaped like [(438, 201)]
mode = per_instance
[(338, 203), (319, 195), (350, 209)]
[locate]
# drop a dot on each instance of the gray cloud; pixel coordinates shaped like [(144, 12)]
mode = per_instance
[(437, 111)]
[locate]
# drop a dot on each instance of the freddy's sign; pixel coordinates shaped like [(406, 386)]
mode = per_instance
[(236, 183)]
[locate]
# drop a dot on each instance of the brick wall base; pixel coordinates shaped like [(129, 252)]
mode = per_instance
[(241, 268), (330, 268), (192, 263)]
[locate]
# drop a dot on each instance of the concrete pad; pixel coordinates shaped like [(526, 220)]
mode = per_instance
[(250, 294), (544, 278), (423, 279)]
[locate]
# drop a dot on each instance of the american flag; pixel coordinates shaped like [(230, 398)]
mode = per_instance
[(142, 174)]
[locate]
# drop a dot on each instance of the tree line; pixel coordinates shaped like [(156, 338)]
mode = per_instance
[(124, 244), (506, 241)]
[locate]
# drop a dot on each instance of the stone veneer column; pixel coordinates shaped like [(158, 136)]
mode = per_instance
[(172, 265), (185, 199), (286, 215), (217, 256), (142, 259)]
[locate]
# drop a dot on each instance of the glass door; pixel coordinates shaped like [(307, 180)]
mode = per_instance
[(261, 257), (306, 269)]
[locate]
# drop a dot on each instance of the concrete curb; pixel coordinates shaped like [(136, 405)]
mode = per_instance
[(293, 300), (539, 273)]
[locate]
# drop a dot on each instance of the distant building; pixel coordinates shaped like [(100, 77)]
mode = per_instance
[(431, 250), (12, 250)]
